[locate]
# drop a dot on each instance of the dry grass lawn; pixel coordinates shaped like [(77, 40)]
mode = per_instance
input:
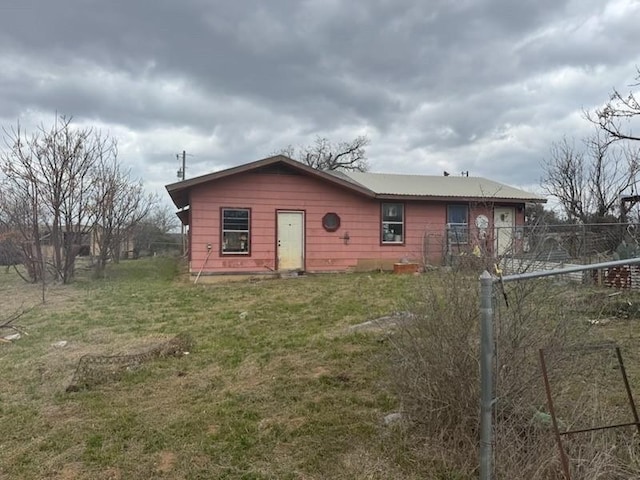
[(276, 387)]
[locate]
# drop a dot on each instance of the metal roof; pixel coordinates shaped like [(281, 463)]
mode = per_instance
[(439, 186)]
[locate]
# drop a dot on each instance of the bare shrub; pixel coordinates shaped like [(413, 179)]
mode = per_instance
[(436, 371)]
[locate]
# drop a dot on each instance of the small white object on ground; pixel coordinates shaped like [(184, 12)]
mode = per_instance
[(392, 418)]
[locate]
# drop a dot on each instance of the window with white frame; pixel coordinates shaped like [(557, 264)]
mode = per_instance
[(458, 224), (392, 223), (235, 230)]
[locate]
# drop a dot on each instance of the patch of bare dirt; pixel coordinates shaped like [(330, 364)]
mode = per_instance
[(112, 473), (70, 471), (362, 463), (166, 461)]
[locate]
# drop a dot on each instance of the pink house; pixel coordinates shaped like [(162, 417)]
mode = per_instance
[(277, 214)]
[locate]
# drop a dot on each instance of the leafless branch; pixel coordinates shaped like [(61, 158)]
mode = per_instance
[(615, 116), (589, 181), (8, 323), (325, 155)]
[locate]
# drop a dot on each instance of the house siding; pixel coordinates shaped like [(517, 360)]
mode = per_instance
[(265, 194), (360, 217)]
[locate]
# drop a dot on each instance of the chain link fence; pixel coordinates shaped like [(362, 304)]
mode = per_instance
[(538, 247)]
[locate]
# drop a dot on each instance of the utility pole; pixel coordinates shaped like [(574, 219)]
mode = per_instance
[(184, 164), (182, 173)]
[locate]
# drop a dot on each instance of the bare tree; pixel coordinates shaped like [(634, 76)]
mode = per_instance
[(164, 219), (619, 110), (60, 185), (120, 204), (325, 155), (20, 210), (153, 234), (51, 170), (589, 181), (10, 254), (564, 178), (538, 216)]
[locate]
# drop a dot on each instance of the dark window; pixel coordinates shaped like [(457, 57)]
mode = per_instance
[(235, 230), (458, 224), (392, 223), (331, 222)]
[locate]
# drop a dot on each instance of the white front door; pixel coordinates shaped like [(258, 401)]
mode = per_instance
[(503, 223), (290, 241)]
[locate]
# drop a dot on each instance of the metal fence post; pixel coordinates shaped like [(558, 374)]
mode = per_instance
[(487, 347), (486, 374)]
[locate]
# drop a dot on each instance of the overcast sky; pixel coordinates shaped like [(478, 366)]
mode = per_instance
[(484, 86)]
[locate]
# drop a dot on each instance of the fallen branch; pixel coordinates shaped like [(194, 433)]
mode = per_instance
[(10, 325)]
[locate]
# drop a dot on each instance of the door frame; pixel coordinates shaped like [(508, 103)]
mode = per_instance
[(304, 236)]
